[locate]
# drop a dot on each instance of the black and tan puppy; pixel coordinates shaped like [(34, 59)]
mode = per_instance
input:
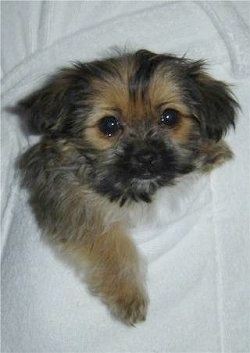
[(113, 132)]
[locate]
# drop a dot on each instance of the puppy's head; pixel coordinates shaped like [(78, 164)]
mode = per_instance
[(141, 120)]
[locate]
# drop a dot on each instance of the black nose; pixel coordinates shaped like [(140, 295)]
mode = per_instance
[(146, 157)]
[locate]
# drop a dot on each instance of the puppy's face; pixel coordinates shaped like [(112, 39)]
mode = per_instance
[(140, 120)]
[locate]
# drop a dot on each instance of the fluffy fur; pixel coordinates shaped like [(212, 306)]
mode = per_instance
[(114, 131)]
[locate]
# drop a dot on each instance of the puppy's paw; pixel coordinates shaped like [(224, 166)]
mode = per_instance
[(130, 306)]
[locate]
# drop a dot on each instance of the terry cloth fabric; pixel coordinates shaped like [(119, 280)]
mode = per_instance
[(197, 247)]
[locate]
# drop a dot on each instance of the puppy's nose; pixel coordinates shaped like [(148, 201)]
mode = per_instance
[(145, 157)]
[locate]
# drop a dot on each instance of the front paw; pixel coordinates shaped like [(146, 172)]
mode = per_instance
[(129, 305)]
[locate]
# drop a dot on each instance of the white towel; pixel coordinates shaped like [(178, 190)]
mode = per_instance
[(198, 246)]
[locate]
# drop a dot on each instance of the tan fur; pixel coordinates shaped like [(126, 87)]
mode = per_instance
[(112, 99), (97, 139), (113, 272), (181, 132), (166, 94)]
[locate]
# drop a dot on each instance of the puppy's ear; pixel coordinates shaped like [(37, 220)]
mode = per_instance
[(215, 104), (51, 108)]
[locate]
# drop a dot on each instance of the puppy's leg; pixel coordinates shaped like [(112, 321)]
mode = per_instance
[(114, 272)]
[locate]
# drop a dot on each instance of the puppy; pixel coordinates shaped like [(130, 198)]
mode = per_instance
[(114, 131)]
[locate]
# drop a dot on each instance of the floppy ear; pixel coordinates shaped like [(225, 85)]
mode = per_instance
[(51, 108), (215, 104)]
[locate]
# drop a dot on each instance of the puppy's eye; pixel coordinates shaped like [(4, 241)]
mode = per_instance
[(109, 125), (169, 117)]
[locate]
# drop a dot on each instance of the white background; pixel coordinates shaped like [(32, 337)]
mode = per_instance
[(197, 248)]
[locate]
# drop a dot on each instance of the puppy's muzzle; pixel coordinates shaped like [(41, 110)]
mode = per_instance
[(146, 157), (146, 163)]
